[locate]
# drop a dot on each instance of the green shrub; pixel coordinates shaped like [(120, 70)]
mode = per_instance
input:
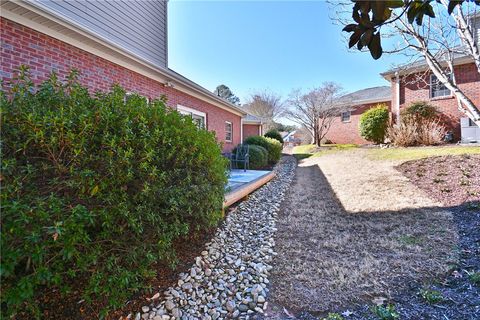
[(96, 188), (258, 157), (273, 147), (274, 134), (374, 123), (420, 110)]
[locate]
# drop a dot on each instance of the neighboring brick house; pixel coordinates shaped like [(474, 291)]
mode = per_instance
[(344, 128), (416, 83), (125, 43), (252, 126)]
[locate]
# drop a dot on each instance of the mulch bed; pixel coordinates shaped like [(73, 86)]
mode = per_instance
[(452, 180), (55, 306)]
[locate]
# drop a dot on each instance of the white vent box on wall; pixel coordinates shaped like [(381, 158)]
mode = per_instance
[(470, 131)]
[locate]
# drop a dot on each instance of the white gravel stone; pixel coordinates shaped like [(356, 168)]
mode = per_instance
[(230, 278)]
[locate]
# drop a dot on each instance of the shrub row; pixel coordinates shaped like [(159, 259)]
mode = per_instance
[(273, 147), (97, 188), (274, 134)]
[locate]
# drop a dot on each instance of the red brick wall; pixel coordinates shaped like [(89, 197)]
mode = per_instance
[(348, 132), (250, 130), (22, 45), (468, 79)]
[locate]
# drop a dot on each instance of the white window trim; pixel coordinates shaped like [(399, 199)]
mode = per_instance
[(431, 89), (231, 132), (349, 116), (181, 108)]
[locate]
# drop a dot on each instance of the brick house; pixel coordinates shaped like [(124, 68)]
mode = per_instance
[(344, 128), (408, 85), (417, 83), (252, 126), (125, 43)]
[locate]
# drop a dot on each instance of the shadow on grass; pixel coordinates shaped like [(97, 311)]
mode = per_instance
[(330, 260), (301, 156)]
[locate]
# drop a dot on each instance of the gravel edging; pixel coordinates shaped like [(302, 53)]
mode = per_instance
[(230, 278)]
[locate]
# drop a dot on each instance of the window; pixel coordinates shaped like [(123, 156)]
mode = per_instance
[(200, 118), (131, 95), (346, 116), (228, 131), (438, 89)]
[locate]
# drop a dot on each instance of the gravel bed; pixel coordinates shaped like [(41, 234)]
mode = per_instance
[(230, 278)]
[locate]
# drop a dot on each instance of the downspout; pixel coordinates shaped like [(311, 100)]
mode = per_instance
[(241, 130), (397, 96)]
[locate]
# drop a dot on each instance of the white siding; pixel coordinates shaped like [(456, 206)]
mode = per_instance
[(137, 26)]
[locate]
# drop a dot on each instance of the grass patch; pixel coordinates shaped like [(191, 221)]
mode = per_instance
[(387, 312), (475, 278), (413, 153), (431, 296), (410, 240), (310, 150)]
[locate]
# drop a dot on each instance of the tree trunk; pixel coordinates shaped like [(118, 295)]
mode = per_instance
[(466, 35), (465, 105)]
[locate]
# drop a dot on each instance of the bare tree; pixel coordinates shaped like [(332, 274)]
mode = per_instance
[(315, 110), (438, 39), (266, 105)]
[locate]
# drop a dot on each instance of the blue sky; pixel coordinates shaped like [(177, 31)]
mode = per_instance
[(275, 45)]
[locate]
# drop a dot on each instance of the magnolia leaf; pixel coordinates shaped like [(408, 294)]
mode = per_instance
[(375, 46), (452, 4), (359, 45), (355, 37), (429, 11), (367, 37), (395, 4), (419, 18), (350, 28)]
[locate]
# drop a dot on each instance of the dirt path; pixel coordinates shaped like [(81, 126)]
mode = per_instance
[(351, 230)]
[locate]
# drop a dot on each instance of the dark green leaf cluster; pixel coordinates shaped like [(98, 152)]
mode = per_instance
[(257, 156), (97, 187), (273, 147), (387, 312), (420, 110), (374, 123), (369, 16), (274, 134)]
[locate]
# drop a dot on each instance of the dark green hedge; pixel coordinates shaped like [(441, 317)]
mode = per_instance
[(273, 147), (258, 157), (97, 188), (274, 134)]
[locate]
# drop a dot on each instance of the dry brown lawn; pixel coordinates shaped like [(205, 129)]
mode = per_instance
[(353, 229)]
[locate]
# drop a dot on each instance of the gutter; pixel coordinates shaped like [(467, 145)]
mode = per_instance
[(390, 74)]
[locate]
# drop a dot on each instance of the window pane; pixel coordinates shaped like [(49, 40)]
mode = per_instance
[(438, 88), (199, 120), (228, 131)]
